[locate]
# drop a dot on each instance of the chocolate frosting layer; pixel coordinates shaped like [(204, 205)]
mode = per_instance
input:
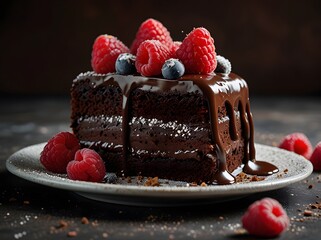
[(218, 89)]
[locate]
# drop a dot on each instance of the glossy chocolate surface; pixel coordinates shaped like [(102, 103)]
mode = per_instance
[(218, 90)]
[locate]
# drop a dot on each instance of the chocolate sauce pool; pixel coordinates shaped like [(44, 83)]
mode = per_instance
[(218, 90)]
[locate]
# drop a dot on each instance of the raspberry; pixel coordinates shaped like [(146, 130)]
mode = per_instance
[(87, 166), (174, 47), (105, 51), (316, 157), (59, 151), (197, 52), (151, 55), (265, 218), (298, 143), (151, 29)]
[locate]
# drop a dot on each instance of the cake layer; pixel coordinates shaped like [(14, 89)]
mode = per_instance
[(196, 128)]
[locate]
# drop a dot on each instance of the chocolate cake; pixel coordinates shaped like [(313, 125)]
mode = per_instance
[(197, 128)]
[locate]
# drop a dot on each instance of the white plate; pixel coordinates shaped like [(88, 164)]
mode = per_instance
[(25, 164)]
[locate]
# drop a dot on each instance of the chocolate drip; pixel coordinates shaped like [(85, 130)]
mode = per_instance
[(252, 166), (219, 91)]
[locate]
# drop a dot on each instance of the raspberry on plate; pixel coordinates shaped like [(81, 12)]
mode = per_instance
[(59, 151), (151, 55), (316, 157), (151, 29), (298, 143), (105, 51), (87, 166), (197, 52), (265, 218)]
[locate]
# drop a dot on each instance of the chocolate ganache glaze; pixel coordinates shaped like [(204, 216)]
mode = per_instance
[(218, 89)]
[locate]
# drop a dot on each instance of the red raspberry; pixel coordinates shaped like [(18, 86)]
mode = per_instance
[(265, 218), (87, 166), (105, 51), (197, 52), (316, 157), (151, 29), (59, 151), (151, 55), (298, 143), (174, 48)]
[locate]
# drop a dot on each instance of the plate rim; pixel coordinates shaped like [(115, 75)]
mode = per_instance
[(160, 191)]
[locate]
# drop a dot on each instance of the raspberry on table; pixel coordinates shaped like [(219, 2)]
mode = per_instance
[(265, 218), (298, 143), (59, 151), (151, 29), (197, 52), (151, 55), (105, 51), (316, 157), (87, 166)]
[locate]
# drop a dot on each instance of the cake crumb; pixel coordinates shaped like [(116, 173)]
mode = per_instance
[(310, 186), (193, 184), (243, 177), (84, 220), (72, 234), (129, 180), (203, 184), (94, 223), (255, 178), (307, 213), (152, 182), (62, 224), (140, 178), (105, 235), (26, 202), (315, 205), (286, 171)]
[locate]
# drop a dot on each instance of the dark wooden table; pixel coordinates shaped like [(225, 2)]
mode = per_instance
[(32, 211)]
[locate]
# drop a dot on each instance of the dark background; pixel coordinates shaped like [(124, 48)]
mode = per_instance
[(274, 45)]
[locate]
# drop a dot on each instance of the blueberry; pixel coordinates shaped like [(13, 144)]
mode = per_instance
[(125, 64), (110, 178), (173, 69), (223, 65)]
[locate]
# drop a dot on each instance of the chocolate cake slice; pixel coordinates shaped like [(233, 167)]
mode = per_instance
[(198, 128)]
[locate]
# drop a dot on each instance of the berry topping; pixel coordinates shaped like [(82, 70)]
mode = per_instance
[(197, 52), (298, 143), (59, 151), (174, 47), (151, 55), (316, 157), (223, 65), (265, 218), (125, 64), (87, 166), (151, 29), (173, 69), (105, 51)]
